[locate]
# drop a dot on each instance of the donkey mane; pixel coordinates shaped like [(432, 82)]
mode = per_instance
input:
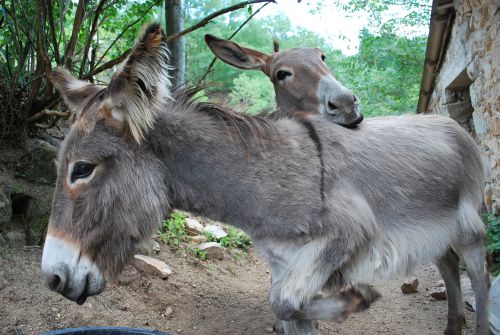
[(256, 127)]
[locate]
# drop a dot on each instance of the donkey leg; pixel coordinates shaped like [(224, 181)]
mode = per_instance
[(292, 327), (448, 268), (301, 327), (277, 269), (474, 257), (304, 277)]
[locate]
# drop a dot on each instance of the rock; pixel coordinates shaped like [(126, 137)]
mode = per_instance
[(5, 207), (156, 247), (168, 312), (439, 283), (213, 250), (198, 239), (269, 330), (216, 231), (152, 266), (38, 164), (125, 280), (496, 127), (410, 286), (438, 293), (193, 227)]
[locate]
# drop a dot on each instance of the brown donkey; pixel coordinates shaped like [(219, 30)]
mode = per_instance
[(325, 206), (302, 81)]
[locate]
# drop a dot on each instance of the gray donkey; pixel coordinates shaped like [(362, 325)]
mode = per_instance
[(326, 206), (302, 81)]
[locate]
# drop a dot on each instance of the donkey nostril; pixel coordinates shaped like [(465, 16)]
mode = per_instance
[(331, 105), (355, 98), (54, 282)]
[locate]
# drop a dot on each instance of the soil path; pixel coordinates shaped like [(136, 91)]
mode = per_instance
[(210, 297)]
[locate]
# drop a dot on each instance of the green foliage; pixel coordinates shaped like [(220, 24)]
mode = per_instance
[(201, 254), (389, 16), (235, 239), (173, 230), (493, 233), (385, 74), (36, 36), (252, 94)]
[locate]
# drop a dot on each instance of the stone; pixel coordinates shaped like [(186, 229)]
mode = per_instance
[(409, 286), (440, 283), (460, 111), (152, 266), (198, 239), (438, 293), (269, 330), (216, 231), (5, 208), (481, 124), (213, 250), (168, 312), (155, 247), (38, 164), (193, 227), (496, 127)]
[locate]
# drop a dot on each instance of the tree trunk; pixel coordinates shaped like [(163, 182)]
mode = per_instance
[(175, 21)]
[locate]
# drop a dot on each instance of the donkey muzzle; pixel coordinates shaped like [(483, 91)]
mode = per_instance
[(68, 273)]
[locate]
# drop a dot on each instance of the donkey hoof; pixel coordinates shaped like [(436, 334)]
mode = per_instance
[(279, 327), (358, 297)]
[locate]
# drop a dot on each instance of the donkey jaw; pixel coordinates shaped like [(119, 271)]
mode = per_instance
[(66, 271), (347, 118)]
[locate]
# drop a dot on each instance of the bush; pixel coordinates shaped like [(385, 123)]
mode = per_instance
[(493, 233), (235, 239), (173, 230), (252, 94)]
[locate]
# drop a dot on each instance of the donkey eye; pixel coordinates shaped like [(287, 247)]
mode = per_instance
[(141, 85), (323, 57), (81, 170), (280, 75)]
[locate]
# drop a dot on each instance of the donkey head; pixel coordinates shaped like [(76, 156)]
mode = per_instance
[(302, 81), (110, 190)]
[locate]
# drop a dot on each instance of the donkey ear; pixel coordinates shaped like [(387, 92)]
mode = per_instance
[(73, 91), (141, 88), (236, 55)]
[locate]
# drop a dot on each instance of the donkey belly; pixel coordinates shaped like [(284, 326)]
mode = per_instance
[(399, 250)]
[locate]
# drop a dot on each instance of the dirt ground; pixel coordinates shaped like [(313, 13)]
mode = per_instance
[(205, 297)]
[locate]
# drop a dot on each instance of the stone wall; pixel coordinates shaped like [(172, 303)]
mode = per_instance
[(468, 83)]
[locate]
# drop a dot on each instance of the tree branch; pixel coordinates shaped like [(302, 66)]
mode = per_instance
[(209, 68), (45, 113), (48, 125), (70, 50), (55, 44), (212, 16), (127, 28), (90, 36), (108, 65)]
